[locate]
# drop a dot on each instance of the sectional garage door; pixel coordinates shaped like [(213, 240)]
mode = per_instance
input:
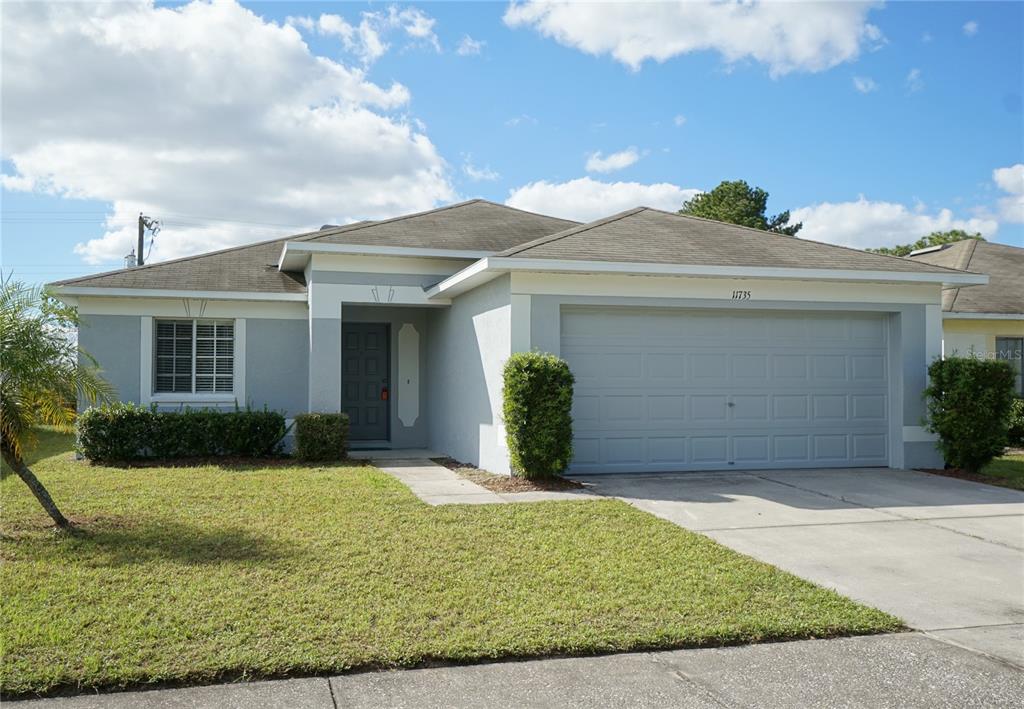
[(662, 389)]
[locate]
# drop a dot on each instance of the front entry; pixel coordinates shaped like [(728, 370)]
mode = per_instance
[(365, 385)]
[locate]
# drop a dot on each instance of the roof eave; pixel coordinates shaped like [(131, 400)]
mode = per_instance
[(295, 255), (489, 268), (64, 292)]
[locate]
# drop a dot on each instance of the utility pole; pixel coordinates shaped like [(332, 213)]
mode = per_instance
[(145, 223)]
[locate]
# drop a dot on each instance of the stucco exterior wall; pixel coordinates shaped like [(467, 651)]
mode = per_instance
[(468, 345), (978, 336), (275, 351), (113, 340)]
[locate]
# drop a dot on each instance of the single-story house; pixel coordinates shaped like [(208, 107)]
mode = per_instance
[(988, 320), (696, 345)]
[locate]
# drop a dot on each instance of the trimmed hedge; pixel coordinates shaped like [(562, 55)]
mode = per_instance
[(969, 403), (321, 436), (538, 414), (1016, 432), (123, 432)]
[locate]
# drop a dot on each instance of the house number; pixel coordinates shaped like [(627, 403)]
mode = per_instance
[(741, 295)]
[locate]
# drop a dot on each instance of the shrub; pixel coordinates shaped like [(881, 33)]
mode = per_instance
[(538, 414), (321, 436), (969, 404), (1016, 432), (124, 432)]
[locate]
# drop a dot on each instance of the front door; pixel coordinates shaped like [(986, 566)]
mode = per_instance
[(364, 380)]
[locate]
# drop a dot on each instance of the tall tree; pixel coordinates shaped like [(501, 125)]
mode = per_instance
[(737, 202), (936, 238), (40, 377)]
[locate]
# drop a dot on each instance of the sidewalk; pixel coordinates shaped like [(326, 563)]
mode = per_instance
[(437, 485), (905, 670)]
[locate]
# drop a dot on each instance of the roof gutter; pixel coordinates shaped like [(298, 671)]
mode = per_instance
[(491, 267)]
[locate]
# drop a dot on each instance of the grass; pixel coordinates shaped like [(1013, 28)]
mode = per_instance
[(1005, 471), (190, 575)]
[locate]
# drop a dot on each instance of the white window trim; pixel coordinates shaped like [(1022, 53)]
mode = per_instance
[(148, 396)]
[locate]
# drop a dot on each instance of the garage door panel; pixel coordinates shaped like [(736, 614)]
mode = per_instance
[(678, 390)]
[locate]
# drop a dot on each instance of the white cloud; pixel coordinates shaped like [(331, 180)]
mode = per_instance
[(367, 39), (586, 199), (1011, 180), (971, 28), (473, 172), (867, 224), (522, 119), (914, 81), (597, 162), (864, 84), (200, 111), (469, 46), (786, 37), (679, 120)]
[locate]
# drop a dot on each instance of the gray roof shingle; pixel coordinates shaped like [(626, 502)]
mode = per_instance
[(476, 225), (1005, 268), (646, 235)]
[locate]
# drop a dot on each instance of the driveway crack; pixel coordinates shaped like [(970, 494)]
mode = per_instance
[(708, 693)]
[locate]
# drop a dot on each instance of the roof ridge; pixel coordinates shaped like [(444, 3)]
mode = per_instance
[(571, 231), (475, 200), (784, 236)]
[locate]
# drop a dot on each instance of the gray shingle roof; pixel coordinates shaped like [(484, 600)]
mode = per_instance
[(645, 235), (476, 225), (1004, 266)]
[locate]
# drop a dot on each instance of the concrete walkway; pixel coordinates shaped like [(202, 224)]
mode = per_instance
[(945, 555), (908, 670), (437, 485)]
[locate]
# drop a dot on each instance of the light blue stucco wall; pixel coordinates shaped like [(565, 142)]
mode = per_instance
[(277, 364), (401, 436), (907, 345), (113, 340), (276, 359), (468, 345)]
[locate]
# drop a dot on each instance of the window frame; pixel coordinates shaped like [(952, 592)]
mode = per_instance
[(1018, 345), (237, 332)]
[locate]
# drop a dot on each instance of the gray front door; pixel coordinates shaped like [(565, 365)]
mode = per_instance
[(365, 390)]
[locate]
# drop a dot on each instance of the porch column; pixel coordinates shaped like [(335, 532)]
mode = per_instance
[(324, 356)]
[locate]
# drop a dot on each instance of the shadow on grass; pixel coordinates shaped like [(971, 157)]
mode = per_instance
[(113, 542)]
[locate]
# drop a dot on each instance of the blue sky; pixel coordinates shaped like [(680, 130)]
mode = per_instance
[(895, 125)]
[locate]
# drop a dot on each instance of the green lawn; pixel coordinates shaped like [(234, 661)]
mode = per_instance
[(1007, 471), (204, 573)]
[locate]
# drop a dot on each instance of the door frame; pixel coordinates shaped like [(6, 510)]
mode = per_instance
[(386, 441)]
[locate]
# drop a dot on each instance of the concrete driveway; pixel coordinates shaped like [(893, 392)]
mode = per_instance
[(945, 555)]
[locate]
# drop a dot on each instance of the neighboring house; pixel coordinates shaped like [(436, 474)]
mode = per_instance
[(696, 345), (984, 321)]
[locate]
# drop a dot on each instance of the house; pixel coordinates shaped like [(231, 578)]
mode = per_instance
[(696, 345), (984, 321)]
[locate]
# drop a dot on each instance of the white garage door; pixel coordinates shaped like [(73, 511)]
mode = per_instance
[(663, 390)]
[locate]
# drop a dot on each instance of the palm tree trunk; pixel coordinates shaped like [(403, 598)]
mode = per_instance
[(37, 488)]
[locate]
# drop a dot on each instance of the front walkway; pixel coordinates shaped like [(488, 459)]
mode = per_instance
[(906, 670), (945, 555), (437, 485)]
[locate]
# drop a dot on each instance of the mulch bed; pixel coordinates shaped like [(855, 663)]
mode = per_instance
[(961, 474), (503, 483), (227, 461)]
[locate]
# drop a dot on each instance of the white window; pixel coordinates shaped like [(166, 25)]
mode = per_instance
[(194, 356), (1012, 350)]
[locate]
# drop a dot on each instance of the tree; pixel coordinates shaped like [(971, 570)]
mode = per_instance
[(40, 377), (737, 202), (936, 238)]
